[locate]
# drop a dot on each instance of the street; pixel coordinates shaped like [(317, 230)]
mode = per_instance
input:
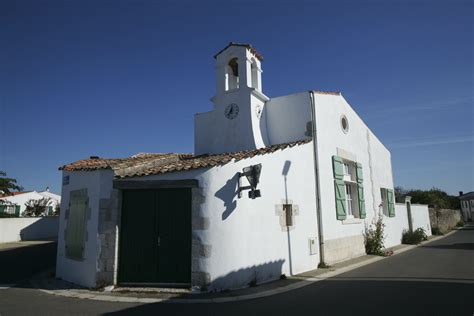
[(434, 279)]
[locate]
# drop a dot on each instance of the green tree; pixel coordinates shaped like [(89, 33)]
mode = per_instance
[(434, 197), (7, 185)]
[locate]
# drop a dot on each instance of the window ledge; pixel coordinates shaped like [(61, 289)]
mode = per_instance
[(349, 221)]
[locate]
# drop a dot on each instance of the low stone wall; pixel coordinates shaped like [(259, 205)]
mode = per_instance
[(28, 228), (444, 219)]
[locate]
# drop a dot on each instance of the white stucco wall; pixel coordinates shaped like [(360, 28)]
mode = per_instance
[(28, 228), (359, 141), (396, 225), (287, 117), (421, 217), (245, 235), (98, 185)]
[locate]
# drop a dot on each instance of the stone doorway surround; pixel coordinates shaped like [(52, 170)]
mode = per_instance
[(109, 228)]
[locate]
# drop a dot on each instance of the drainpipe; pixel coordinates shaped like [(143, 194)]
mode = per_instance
[(316, 180)]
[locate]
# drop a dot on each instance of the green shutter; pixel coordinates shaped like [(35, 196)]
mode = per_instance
[(360, 177), (340, 189), (337, 167), (17, 210), (76, 225), (2, 208), (50, 210), (360, 192), (391, 204)]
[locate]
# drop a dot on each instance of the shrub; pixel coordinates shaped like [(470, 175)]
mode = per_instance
[(436, 231), (373, 237), (460, 223), (415, 237)]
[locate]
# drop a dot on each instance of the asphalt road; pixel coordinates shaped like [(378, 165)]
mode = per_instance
[(434, 279)]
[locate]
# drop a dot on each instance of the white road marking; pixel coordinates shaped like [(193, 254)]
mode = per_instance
[(6, 286)]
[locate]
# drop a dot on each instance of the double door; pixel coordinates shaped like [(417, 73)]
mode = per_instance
[(155, 237)]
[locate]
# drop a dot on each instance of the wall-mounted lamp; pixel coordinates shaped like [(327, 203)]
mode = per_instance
[(252, 173)]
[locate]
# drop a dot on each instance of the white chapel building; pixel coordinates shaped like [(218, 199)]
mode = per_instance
[(276, 185)]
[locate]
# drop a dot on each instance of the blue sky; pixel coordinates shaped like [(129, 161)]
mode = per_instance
[(114, 78)]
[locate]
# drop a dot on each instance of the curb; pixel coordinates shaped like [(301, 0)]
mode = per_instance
[(304, 282)]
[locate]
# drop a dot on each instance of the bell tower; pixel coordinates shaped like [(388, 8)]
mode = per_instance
[(237, 121)]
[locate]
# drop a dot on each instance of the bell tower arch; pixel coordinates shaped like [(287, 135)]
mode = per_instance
[(235, 123)]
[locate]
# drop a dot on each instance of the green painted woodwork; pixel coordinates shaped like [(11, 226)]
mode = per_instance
[(17, 210), (360, 177), (3, 208), (155, 236), (391, 203), (337, 167), (76, 225), (360, 190), (361, 198), (340, 190)]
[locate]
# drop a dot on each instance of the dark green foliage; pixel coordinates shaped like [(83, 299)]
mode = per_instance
[(415, 237), (36, 208), (434, 198), (374, 237), (436, 231), (7, 185), (460, 223)]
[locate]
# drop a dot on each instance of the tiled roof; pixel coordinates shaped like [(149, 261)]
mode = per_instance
[(163, 163), (13, 193), (118, 163), (252, 50)]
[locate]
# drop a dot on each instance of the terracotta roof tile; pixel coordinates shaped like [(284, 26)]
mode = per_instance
[(202, 161), (150, 164)]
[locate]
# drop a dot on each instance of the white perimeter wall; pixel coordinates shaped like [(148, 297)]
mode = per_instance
[(396, 225), (28, 228), (98, 185), (245, 235)]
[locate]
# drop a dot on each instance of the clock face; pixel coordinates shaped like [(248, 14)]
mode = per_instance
[(258, 111), (231, 111)]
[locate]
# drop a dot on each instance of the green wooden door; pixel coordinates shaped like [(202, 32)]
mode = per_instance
[(155, 237), (174, 229)]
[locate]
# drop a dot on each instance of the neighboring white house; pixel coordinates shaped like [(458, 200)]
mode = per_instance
[(15, 203), (203, 220), (467, 205)]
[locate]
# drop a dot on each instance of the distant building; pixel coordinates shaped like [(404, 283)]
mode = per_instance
[(467, 205), (14, 203)]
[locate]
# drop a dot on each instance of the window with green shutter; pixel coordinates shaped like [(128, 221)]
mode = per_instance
[(360, 190), (348, 179), (388, 202), (339, 187), (17, 210), (391, 203), (76, 224), (3, 208)]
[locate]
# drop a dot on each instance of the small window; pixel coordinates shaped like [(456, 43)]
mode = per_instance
[(351, 200), (344, 124), (288, 209), (383, 193)]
